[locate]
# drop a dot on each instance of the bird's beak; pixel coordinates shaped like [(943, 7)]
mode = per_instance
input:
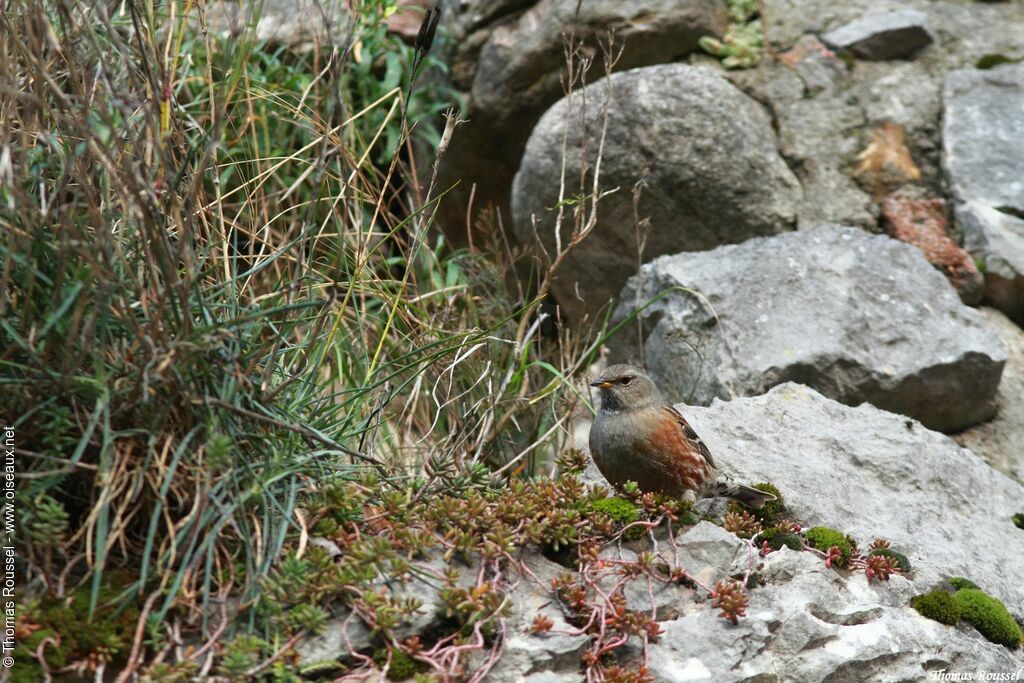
[(601, 383)]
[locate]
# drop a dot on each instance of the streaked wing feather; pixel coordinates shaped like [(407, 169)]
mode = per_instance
[(691, 435)]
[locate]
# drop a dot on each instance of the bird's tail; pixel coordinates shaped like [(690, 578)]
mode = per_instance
[(747, 495)]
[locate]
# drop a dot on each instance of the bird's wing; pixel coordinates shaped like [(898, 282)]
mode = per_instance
[(691, 435)]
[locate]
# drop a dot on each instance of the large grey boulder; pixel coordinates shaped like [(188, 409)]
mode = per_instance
[(859, 317), (983, 135), (700, 153), (996, 241), (891, 35), (1000, 441), (509, 59), (872, 473)]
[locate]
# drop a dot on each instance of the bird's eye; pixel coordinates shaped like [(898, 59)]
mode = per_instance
[(626, 380)]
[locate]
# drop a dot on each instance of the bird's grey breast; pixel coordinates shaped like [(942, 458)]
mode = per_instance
[(613, 442)]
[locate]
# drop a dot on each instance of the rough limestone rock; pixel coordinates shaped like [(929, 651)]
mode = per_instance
[(983, 135), (526, 657), (873, 474), (813, 625), (510, 60), (892, 35), (825, 117), (1000, 441), (703, 162), (996, 240), (859, 317)]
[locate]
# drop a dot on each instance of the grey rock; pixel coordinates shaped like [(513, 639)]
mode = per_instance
[(996, 240), (710, 553), (470, 15), (815, 111), (529, 657), (706, 551), (962, 31), (704, 157), (1000, 441), (813, 625), (983, 135), (871, 474), (514, 67), (341, 636), (874, 474), (859, 317), (891, 35), (297, 24)]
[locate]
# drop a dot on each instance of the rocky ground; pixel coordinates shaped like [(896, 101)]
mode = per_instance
[(896, 118), (815, 231)]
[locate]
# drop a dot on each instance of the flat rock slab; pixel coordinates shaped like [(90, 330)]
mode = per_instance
[(893, 35), (983, 135), (694, 161), (859, 317)]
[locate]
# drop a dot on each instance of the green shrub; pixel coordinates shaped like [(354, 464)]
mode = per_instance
[(1018, 520), (823, 538), (938, 606), (989, 616)]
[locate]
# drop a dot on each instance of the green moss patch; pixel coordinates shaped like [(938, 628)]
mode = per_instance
[(959, 582), (823, 538), (776, 539), (622, 512), (938, 606), (990, 616)]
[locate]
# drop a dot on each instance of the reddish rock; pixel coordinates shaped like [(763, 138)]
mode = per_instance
[(923, 223)]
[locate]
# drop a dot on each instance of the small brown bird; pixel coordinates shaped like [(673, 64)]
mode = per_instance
[(638, 436)]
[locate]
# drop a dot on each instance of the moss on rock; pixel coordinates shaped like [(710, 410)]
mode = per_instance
[(623, 512), (938, 606), (959, 582), (990, 616), (776, 539), (823, 538)]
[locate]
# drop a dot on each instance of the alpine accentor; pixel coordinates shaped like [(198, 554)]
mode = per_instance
[(637, 435)]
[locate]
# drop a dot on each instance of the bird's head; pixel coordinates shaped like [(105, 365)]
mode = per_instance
[(625, 388)]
